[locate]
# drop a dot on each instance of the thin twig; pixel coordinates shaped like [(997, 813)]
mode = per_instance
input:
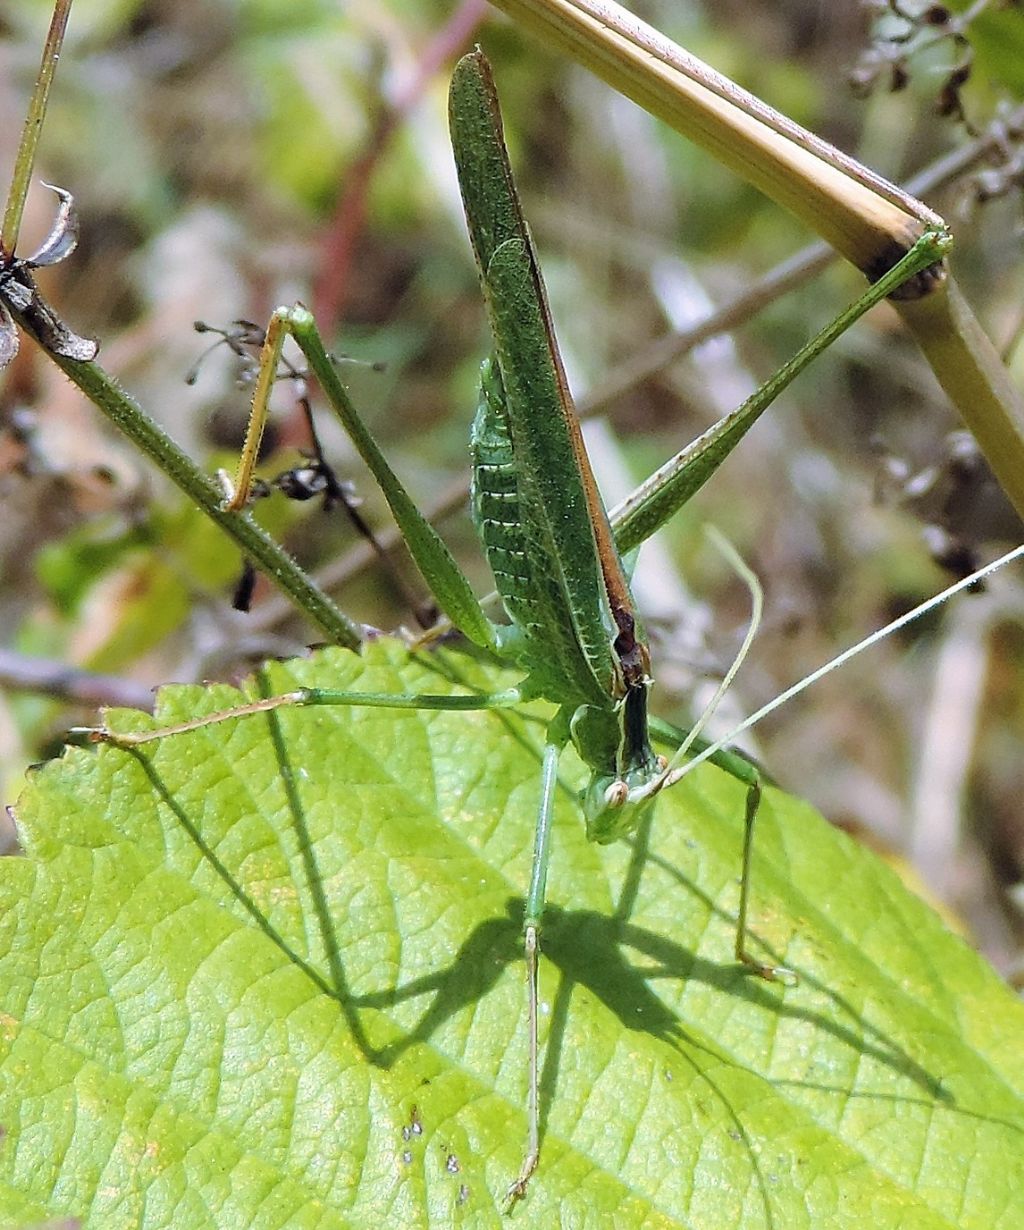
[(339, 244), (787, 276), (26, 158), (22, 673), (277, 609)]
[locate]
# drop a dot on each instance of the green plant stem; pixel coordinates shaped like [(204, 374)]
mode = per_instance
[(864, 217), (975, 378), (26, 158), (129, 417)]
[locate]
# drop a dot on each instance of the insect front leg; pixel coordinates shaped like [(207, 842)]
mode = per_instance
[(443, 576)]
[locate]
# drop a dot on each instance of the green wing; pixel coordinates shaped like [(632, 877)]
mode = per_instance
[(573, 592)]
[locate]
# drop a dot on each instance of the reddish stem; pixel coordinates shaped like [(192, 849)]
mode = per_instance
[(331, 290)]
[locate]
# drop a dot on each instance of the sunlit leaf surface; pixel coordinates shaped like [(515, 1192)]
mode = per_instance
[(268, 975)]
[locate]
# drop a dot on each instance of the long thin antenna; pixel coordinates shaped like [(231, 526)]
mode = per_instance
[(677, 774), (749, 578)]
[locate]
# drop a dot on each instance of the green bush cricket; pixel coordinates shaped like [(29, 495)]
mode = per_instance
[(555, 553)]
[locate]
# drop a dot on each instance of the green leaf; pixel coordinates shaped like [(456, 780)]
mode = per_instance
[(222, 1007), (997, 38)]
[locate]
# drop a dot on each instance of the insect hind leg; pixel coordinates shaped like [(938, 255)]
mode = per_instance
[(773, 973)]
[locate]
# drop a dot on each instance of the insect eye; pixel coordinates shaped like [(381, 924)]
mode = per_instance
[(616, 794)]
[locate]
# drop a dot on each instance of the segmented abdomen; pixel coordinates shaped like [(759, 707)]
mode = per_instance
[(495, 497), (524, 573)]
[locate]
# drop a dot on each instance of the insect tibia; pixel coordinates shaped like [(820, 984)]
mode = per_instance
[(135, 738)]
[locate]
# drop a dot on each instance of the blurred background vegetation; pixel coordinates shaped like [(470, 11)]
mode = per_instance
[(227, 155)]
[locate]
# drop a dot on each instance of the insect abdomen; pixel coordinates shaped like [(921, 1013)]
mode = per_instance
[(547, 649), (495, 495)]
